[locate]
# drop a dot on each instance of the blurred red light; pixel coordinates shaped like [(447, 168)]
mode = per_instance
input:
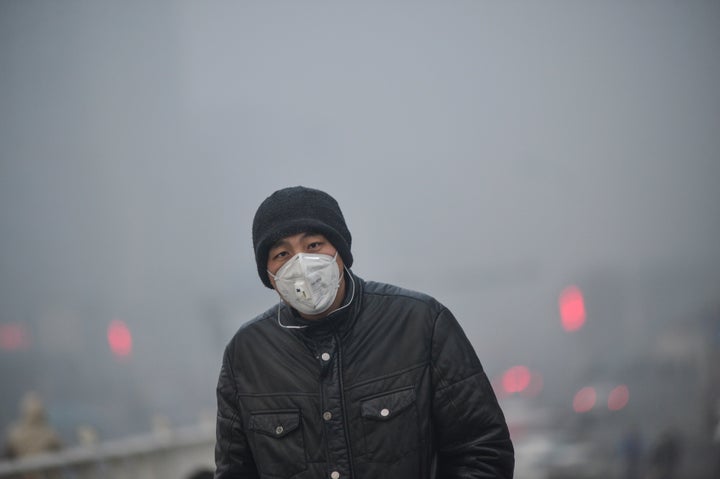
[(119, 338), (618, 398), (14, 337), (584, 399), (535, 386), (572, 308), (516, 379)]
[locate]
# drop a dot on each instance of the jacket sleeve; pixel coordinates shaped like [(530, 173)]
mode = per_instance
[(233, 458), (470, 431)]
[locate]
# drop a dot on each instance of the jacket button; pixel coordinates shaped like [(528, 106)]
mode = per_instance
[(385, 412), (327, 415), (325, 356), (279, 430), (334, 475)]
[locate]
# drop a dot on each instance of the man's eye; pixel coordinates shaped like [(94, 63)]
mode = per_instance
[(281, 254), (314, 245)]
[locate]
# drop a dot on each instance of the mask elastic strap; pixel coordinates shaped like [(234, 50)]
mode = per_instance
[(352, 294), (287, 326)]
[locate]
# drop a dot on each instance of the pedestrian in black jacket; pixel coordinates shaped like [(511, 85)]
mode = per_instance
[(346, 378)]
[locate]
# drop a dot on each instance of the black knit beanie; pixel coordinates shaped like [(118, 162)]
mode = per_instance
[(298, 210)]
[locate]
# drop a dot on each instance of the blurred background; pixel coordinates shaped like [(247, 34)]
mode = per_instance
[(548, 170)]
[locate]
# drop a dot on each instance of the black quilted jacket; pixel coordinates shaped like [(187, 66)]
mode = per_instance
[(388, 387)]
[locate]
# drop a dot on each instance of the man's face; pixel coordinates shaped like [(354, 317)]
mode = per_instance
[(286, 248)]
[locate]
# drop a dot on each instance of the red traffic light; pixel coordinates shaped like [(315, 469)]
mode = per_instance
[(572, 308), (119, 338)]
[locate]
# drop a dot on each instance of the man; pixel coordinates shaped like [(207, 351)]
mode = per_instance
[(346, 378)]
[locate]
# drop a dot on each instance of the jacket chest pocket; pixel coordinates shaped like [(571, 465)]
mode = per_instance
[(278, 443), (390, 425)]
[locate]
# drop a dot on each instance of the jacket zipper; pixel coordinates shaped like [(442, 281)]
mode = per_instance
[(344, 409)]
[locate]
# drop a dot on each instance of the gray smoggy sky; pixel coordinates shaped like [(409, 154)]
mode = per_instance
[(486, 152)]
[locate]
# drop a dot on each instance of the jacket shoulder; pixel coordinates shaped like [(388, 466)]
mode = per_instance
[(259, 325), (407, 296)]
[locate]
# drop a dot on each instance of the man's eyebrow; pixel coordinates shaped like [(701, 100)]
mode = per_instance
[(279, 243), (283, 242)]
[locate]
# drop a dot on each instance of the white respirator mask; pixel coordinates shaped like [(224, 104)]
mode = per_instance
[(308, 282)]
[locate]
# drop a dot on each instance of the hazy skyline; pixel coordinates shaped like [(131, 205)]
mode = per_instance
[(488, 153)]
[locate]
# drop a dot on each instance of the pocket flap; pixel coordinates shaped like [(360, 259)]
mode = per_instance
[(388, 405), (275, 424)]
